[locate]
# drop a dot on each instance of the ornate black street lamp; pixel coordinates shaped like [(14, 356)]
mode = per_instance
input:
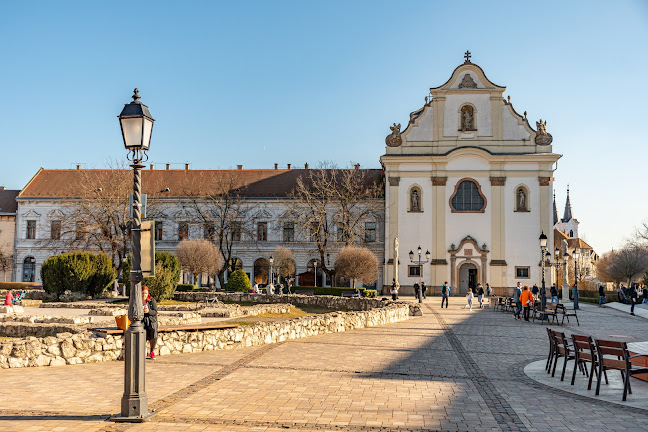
[(136, 126), (576, 255), (543, 255)]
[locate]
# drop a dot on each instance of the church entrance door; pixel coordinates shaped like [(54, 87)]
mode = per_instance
[(467, 277)]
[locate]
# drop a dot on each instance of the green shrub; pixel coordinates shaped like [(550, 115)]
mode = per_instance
[(370, 293), (238, 281), (167, 275), (79, 272), (187, 287)]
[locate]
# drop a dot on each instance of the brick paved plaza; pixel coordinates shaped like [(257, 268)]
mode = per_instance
[(450, 369)]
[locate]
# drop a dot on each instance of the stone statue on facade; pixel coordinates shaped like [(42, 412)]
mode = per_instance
[(394, 139), (521, 200), (467, 82), (415, 204), (467, 122), (542, 136)]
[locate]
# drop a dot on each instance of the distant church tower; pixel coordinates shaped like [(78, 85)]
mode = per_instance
[(568, 224)]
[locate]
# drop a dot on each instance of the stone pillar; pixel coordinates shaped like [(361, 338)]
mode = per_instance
[(498, 232), (439, 265)]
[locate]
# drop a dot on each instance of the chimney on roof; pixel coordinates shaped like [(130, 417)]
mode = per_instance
[(152, 167), (276, 166), (306, 165), (78, 166), (187, 166), (168, 166), (289, 166), (357, 166), (239, 167)]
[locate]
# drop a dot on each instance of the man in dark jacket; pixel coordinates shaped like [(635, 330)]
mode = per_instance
[(632, 293), (554, 293), (150, 320), (417, 292), (601, 295)]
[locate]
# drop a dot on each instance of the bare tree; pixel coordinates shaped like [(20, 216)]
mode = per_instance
[(6, 262), (604, 268), (216, 200), (97, 217), (284, 261), (640, 236), (199, 257), (330, 205), (627, 264), (357, 263)]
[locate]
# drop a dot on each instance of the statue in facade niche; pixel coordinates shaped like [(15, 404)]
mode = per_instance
[(542, 136), (467, 122), (394, 139), (415, 202), (521, 200)]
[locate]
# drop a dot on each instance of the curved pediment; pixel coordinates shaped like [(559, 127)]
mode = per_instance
[(467, 77)]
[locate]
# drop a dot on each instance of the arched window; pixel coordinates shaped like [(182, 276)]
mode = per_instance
[(571, 234), (415, 199), (467, 197), (29, 269), (521, 199), (261, 268)]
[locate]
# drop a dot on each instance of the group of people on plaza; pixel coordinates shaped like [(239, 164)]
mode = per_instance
[(634, 294), (12, 299), (272, 289)]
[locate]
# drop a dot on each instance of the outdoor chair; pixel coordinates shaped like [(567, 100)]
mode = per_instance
[(551, 351), (562, 349), (550, 311), (566, 313), (585, 352), (615, 356)]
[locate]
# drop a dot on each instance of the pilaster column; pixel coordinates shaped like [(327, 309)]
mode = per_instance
[(438, 263), (498, 232)]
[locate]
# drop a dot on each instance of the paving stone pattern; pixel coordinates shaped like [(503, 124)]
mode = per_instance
[(450, 370)]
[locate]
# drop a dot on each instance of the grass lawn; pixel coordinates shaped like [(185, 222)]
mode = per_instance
[(295, 312)]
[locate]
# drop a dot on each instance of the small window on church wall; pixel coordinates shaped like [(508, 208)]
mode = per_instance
[(467, 197), (571, 234), (522, 272), (521, 199), (415, 200)]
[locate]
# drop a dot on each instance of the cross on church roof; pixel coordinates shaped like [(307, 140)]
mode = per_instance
[(467, 56)]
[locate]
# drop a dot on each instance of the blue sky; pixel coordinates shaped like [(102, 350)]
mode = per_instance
[(256, 83)]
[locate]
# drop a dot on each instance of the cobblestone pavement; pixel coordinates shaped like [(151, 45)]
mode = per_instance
[(450, 369)]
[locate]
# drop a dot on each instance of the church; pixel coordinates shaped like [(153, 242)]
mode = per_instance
[(470, 181)]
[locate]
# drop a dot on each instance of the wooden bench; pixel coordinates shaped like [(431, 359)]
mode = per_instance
[(187, 327), (305, 292), (348, 293), (566, 313)]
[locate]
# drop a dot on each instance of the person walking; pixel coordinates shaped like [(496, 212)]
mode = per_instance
[(644, 294), (489, 290), (423, 289), (8, 298), (632, 293), (445, 293), (575, 296), (417, 292), (601, 290), (526, 298), (535, 290), (480, 296), (394, 290), (554, 293), (469, 299), (516, 299), (150, 320)]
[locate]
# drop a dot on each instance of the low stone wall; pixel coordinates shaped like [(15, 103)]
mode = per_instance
[(234, 310), (43, 319), (11, 309), (324, 301), (85, 347), (108, 311), (182, 318), (83, 305)]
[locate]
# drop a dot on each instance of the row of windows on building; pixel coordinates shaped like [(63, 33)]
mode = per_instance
[(288, 231), (468, 198)]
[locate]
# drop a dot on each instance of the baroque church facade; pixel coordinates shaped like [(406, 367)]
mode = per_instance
[(470, 181)]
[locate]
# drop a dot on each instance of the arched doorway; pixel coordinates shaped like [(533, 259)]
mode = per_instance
[(261, 267), (29, 269), (468, 277)]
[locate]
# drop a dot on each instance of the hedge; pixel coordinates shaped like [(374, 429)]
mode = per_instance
[(20, 286), (81, 272), (187, 287)]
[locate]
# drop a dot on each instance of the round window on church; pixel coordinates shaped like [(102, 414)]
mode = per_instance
[(467, 197)]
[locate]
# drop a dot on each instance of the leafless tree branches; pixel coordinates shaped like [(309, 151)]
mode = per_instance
[(199, 257), (357, 263)]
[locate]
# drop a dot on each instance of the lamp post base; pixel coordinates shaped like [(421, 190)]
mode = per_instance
[(134, 402)]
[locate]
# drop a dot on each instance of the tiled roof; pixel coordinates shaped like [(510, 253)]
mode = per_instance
[(180, 183), (8, 202), (578, 243)]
